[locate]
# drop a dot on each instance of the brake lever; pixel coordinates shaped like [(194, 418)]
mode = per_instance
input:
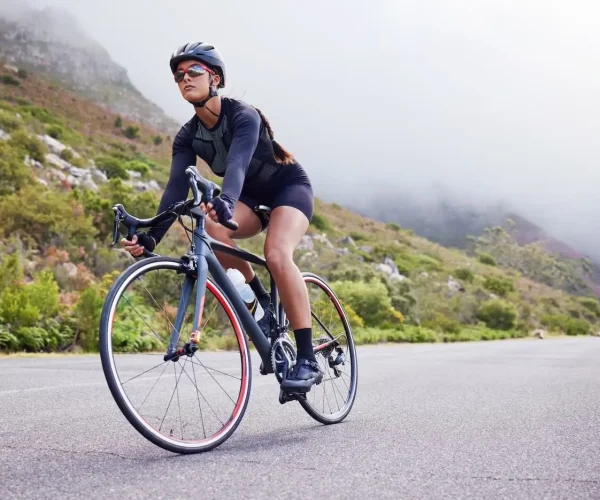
[(117, 209), (120, 216)]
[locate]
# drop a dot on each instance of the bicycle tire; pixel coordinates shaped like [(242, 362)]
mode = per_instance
[(341, 415), (112, 378)]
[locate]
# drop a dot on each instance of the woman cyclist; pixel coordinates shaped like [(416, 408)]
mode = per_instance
[(236, 141)]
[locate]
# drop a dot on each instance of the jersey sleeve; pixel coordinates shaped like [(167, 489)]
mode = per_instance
[(245, 132), (177, 187)]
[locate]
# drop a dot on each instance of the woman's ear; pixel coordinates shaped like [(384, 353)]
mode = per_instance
[(215, 80)]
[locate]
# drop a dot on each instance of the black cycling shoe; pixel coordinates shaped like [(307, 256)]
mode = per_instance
[(303, 376)]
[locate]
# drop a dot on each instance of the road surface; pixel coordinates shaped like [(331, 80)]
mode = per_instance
[(508, 419)]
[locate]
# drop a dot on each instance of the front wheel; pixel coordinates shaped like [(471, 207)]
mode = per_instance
[(333, 344), (189, 404)]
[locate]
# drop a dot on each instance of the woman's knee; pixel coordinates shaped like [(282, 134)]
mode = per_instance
[(278, 257)]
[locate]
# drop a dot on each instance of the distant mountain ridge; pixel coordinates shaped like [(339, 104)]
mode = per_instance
[(52, 42), (450, 222)]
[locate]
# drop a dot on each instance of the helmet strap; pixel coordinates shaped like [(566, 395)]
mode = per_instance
[(212, 92)]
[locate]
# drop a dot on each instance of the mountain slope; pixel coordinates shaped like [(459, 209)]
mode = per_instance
[(51, 41), (64, 162)]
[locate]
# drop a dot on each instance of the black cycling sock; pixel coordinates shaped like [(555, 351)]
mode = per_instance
[(258, 288), (304, 343)]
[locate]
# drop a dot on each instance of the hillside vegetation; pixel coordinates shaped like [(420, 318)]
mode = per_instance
[(64, 162)]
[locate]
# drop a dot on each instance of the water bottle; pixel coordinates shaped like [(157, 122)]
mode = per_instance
[(252, 303)]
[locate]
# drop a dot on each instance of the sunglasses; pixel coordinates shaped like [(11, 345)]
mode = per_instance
[(193, 71)]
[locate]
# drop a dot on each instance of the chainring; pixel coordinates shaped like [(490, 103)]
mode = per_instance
[(283, 356)]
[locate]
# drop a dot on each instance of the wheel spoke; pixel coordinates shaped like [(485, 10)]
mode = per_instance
[(143, 373), (171, 400), (205, 400), (213, 369), (179, 402), (162, 309), (159, 377), (142, 318), (198, 396), (216, 381)]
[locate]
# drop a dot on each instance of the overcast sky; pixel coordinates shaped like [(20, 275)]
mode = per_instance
[(484, 99)]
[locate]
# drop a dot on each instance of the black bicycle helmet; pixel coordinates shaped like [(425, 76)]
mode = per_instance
[(201, 52)]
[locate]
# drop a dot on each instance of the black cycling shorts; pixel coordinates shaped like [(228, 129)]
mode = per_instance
[(297, 195)]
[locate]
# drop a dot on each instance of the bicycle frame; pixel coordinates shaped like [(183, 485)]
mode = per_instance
[(205, 262)]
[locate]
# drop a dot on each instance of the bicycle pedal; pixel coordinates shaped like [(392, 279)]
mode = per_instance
[(285, 397)]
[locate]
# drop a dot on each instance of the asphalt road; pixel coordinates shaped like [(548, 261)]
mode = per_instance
[(509, 419)]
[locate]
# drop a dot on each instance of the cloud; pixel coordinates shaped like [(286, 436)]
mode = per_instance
[(482, 101)]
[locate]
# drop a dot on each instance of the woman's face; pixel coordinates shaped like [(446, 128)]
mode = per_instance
[(195, 88)]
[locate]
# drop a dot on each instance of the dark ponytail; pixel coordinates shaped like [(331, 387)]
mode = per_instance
[(282, 155)]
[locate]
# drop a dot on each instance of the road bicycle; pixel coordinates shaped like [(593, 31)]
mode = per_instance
[(187, 385)]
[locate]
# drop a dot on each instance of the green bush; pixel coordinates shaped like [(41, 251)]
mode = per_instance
[(49, 218), (357, 236), (9, 121), (442, 323), (406, 263), (566, 324), (393, 226), (8, 341), (22, 74), (578, 327), (137, 166), (48, 336), (591, 305), (29, 145), (13, 173), (98, 205), (25, 305), (487, 259), (40, 114), (11, 270), (498, 285), (464, 275), (31, 338), (55, 131), (319, 222), (429, 263), (87, 317), (67, 154), (367, 257), (371, 302), (555, 322), (132, 132), (118, 122), (9, 80), (112, 167), (412, 334), (157, 140), (498, 315)]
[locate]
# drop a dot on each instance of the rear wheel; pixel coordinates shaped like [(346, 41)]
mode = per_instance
[(189, 404), (330, 401)]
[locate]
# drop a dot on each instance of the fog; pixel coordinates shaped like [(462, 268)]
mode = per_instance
[(479, 101)]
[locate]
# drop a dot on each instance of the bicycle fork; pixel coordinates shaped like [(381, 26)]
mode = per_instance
[(197, 273)]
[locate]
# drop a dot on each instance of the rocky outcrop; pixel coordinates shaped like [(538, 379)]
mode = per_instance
[(347, 240), (454, 286), (51, 41), (389, 268)]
